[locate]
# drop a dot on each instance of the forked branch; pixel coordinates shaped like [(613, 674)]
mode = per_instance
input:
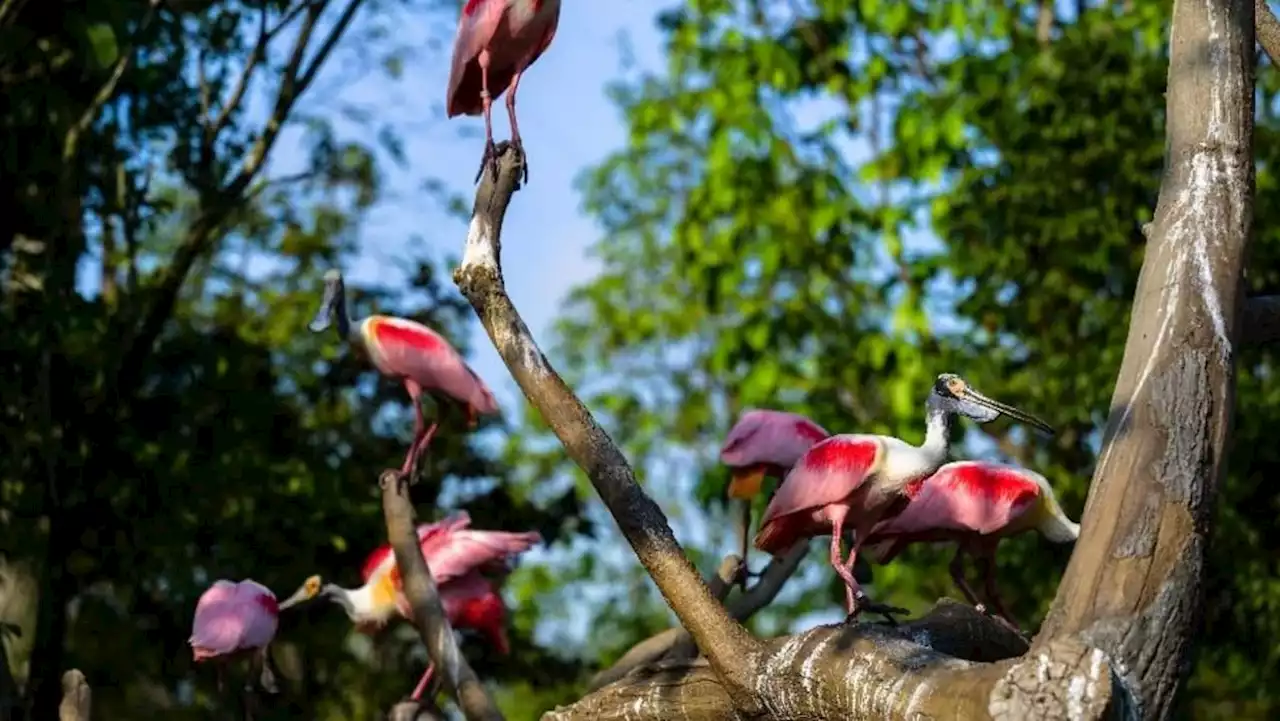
[(428, 613)]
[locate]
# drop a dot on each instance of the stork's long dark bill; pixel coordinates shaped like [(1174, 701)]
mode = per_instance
[(1008, 410)]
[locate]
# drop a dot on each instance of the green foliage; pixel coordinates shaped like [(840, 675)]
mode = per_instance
[(765, 246)]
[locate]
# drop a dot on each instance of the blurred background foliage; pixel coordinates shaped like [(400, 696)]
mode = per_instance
[(821, 206)]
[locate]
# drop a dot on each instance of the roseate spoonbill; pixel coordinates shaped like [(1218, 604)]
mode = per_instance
[(763, 443), (497, 41), (974, 504), (860, 479), (413, 353), (454, 552), (235, 620)]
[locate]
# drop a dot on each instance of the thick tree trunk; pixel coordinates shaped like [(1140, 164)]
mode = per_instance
[(1133, 587)]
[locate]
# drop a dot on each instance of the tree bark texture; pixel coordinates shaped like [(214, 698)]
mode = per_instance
[(1133, 586)]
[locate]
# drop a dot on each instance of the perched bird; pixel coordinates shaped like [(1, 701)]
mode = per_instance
[(456, 556), (860, 480), (764, 443), (418, 356), (974, 504), (497, 41), (235, 620)]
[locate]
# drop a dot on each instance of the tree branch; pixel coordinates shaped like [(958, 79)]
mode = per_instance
[(71, 145), (428, 613), (77, 698), (934, 667), (726, 644), (660, 645), (1133, 587), (215, 209), (675, 643), (1268, 29)]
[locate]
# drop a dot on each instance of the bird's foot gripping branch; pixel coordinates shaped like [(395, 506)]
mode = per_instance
[(953, 663)]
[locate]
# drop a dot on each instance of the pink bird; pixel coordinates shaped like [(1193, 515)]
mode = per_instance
[(974, 504), (456, 556), (413, 353), (497, 41), (860, 480), (764, 443), (234, 620)]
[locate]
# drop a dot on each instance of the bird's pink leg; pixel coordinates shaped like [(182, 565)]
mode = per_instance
[(861, 603), (490, 157), (957, 574), (409, 469), (422, 683), (515, 127), (845, 573)]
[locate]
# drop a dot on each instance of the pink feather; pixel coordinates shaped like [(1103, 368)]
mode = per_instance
[(775, 438), (515, 33), (233, 617), (824, 478), (401, 348)]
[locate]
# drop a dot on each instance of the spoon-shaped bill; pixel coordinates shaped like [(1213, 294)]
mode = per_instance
[(1020, 415)]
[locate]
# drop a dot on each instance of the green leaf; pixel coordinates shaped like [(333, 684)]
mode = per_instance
[(102, 42)]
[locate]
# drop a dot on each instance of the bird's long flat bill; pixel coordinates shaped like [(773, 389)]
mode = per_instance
[(744, 483), (332, 296), (970, 394), (309, 589)]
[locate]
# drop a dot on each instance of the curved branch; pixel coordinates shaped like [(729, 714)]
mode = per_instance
[(428, 614), (726, 644), (873, 671)]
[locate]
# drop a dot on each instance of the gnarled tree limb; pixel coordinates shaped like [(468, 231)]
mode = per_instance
[(428, 614), (726, 644), (931, 668), (1134, 584)]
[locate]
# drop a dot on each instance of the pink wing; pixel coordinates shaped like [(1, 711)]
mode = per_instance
[(968, 496), (469, 550), (476, 28), (258, 608), (383, 559), (405, 348), (827, 473), (232, 616), (774, 437)]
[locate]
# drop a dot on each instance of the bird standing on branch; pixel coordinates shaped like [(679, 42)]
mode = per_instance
[(763, 443), (497, 41), (974, 504), (413, 353), (861, 479), (456, 556), (238, 620)]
